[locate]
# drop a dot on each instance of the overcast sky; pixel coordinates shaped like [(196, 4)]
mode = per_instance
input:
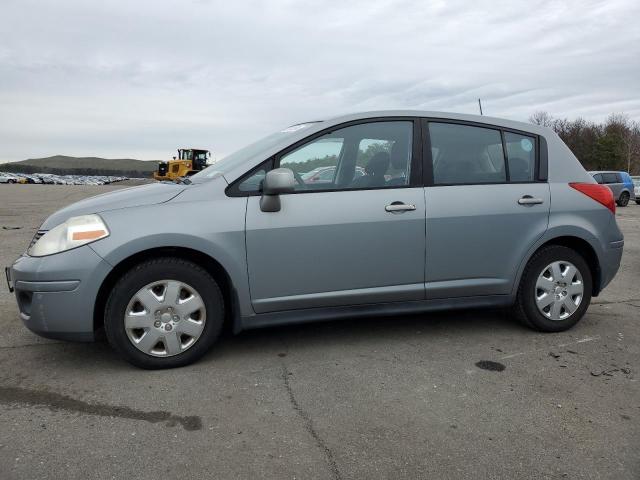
[(125, 78)]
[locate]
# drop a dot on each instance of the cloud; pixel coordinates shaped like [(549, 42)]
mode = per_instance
[(142, 78)]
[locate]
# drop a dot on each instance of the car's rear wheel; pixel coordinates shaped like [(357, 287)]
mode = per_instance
[(555, 290), (623, 201), (164, 313)]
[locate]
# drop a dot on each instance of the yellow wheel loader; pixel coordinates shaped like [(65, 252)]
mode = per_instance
[(188, 162)]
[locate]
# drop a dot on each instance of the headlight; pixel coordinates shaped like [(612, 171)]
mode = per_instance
[(75, 232)]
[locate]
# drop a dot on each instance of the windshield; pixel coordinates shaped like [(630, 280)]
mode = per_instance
[(237, 158)]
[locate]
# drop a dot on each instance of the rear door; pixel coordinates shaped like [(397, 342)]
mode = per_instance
[(614, 182), (485, 207), (353, 239)]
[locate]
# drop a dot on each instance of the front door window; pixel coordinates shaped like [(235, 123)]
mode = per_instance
[(363, 156)]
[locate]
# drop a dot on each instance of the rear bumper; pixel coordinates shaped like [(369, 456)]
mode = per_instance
[(610, 262), (56, 294)]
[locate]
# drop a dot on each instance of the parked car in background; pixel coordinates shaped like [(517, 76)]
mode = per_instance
[(52, 179), (636, 188), (622, 189), (326, 175), (628, 184), (454, 211), (319, 175), (32, 178), (47, 179), (17, 178)]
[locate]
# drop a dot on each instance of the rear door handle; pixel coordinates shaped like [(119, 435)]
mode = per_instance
[(398, 207), (529, 200)]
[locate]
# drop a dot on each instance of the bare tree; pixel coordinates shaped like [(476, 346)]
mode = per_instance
[(542, 118)]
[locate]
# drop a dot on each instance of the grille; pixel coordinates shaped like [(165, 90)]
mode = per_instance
[(36, 237)]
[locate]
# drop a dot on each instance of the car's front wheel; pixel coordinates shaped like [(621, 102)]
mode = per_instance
[(555, 290), (164, 313)]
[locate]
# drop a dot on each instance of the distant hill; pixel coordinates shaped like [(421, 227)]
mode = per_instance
[(64, 165)]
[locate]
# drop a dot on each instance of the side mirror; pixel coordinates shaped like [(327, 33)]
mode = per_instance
[(277, 181)]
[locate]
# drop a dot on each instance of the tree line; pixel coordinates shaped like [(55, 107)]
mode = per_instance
[(611, 145)]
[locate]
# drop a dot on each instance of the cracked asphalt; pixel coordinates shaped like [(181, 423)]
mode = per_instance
[(401, 397)]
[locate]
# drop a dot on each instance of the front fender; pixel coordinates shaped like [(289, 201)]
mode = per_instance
[(196, 226)]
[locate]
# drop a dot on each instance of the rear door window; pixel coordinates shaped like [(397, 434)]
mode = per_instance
[(464, 154), (610, 178)]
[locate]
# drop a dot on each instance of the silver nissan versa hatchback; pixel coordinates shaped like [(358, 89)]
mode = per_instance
[(423, 211)]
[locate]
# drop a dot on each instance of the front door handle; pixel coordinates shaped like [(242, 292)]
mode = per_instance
[(529, 200), (399, 207)]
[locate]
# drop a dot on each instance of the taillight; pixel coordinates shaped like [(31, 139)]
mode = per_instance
[(600, 193)]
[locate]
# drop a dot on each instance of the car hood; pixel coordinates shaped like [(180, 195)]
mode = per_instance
[(125, 198)]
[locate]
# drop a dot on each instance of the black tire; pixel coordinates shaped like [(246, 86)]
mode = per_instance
[(637, 202), (525, 308), (12, 181), (164, 268), (623, 201)]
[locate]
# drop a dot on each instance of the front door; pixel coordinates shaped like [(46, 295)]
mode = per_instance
[(485, 209), (355, 237)]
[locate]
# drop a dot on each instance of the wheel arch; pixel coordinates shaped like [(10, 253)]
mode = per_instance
[(213, 267), (574, 242), (622, 192)]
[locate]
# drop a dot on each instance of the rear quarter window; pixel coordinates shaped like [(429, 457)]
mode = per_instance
[(521, 152)]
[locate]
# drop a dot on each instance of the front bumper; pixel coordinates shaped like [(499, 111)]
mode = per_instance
[(56, 294)]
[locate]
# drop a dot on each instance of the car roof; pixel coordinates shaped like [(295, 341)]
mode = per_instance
[(494, 121)]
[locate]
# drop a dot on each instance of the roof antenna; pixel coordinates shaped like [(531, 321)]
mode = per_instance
[(480, 106)]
